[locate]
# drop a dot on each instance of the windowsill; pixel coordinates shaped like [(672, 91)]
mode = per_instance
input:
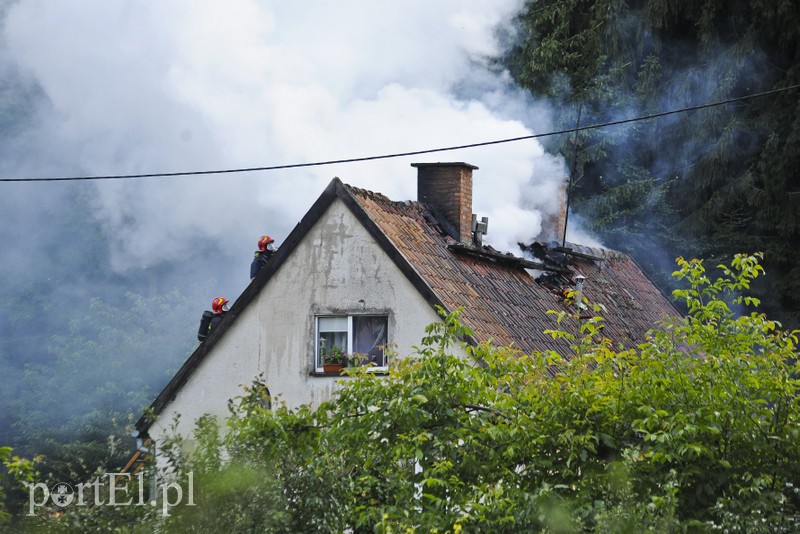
[(378, 372)]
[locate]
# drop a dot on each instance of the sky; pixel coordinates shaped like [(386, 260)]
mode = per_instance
[(144, 87)]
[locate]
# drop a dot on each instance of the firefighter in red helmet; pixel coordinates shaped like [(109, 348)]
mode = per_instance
[(210, 319), (262, 255)]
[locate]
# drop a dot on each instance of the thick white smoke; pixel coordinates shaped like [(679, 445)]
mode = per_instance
[(141, 87)]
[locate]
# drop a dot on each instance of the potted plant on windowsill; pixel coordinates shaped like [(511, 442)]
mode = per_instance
[(334, 359)]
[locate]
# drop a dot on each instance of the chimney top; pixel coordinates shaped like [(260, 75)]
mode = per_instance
[(445, 164), (446, 189)]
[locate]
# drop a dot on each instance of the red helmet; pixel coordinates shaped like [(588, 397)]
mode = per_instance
[(264, 241), (218, 304)]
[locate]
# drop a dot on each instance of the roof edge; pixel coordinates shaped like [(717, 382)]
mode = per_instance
[(334, 189)]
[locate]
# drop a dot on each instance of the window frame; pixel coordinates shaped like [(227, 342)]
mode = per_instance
[(350, 336)]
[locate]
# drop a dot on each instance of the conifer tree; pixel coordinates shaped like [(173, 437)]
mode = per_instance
[(707, 183)]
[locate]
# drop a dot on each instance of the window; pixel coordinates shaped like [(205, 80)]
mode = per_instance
[(358, 335)]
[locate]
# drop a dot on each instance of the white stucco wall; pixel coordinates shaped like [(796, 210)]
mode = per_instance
[(334, 268)]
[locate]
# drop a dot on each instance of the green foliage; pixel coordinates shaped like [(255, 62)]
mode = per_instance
[(696, 429), (711, 182), (15, 472)]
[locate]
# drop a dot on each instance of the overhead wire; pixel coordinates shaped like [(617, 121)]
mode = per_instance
[(403, 154)]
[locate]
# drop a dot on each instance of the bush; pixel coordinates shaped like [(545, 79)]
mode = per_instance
[(697, 428)]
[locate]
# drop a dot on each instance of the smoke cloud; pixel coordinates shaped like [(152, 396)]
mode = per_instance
[(103, 276), (140, 87)]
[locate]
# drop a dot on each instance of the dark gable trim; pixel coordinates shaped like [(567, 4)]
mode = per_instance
[(169, 392)]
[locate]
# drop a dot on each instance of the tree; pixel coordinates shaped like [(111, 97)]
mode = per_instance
[(15, 472), (79, 405), (697, 427), (711, 182)]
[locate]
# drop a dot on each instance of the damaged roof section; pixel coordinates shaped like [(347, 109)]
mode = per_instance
[(505, 298)]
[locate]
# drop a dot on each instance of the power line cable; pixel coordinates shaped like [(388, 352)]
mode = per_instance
[(403, 154)]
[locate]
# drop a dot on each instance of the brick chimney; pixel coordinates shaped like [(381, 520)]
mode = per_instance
[(446, 189)]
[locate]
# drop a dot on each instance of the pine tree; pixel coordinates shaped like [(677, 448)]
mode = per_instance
[(710, 182)]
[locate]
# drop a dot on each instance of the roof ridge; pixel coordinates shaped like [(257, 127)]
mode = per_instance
[(369, 194), (600, 252), (375, 195)]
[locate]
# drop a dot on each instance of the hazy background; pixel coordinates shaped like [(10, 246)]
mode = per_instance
[(121, 87), (136, 87)]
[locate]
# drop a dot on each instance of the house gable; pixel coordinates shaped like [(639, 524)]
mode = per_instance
[(334, 267)]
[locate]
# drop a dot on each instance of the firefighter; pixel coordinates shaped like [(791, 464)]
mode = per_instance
[(262, 255), (211, 319)]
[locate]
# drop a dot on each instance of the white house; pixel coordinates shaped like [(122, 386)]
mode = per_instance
[(363, 271)]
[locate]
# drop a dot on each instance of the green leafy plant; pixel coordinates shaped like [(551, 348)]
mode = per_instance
[(15, 472), (334, 355), (696, 429)]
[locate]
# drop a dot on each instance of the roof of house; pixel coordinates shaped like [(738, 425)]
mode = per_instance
[(504, 298)]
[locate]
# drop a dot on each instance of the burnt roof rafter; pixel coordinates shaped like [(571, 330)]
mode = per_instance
[(506, 259)]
